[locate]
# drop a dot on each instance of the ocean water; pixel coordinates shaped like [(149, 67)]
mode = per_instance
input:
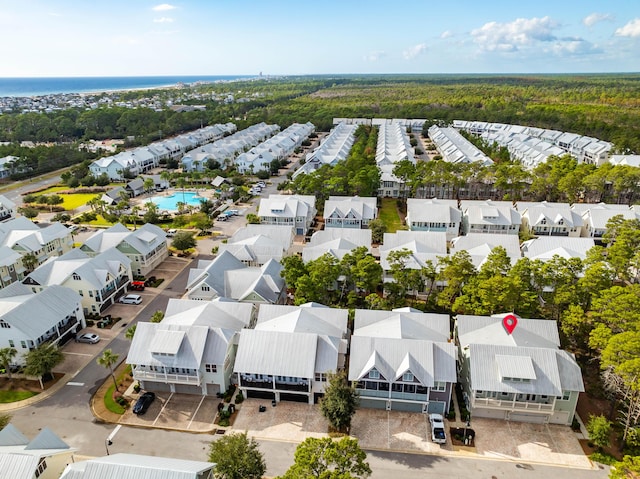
[(49, 86)]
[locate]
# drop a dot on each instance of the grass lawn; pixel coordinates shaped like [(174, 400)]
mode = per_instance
[(100, 222), (13, 396), (51, 190), (389, 215), (71, 202), (111, 405)]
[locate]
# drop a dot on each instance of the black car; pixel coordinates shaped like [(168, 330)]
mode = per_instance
[(143, 403)]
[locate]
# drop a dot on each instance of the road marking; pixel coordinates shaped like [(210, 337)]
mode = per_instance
[(79, 354), (162, 409), (196, 412), (70, 383)]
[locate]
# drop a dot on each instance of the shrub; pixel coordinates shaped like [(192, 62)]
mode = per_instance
[(239, 397), (223, 422)]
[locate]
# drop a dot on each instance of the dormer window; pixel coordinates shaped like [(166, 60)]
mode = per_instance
[(374, 374), (408, 377), (76, 277)]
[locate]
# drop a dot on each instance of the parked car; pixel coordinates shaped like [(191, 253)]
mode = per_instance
[(143, 403), (438, 434), (261, 184), (90, 338), (131, 299), (137, 285)]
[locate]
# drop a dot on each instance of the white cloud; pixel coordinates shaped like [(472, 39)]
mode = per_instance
[(631, 29), (574, 47), (375, 56), (591, 20), (414, 51), (446, 34), (522, 32), (163, 20), (163, 7)]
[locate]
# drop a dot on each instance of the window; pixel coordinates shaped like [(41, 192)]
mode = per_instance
[(439, 386), (407, 377), (566, 395), (12, 344), (4, 324), (76, 276), (42, 465), (321, 377), (211, 368), (205, 288), (23, 344), (374, 374)]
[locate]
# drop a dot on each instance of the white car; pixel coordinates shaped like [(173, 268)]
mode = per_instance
[(438, 434), (131, 299)]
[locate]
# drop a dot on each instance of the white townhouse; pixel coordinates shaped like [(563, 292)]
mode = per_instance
[(349, 211), (291, 351), (434, 215), (43, 457), (596, 217), (146, 246), (545, 248), (494, 217), (126, 466), (550, 219), (27, 239), (7, 208), (192, 350), (8, 166), (393, 146), (29, 319), (630, 160), (424, 246), (336, 242), (298, 211), (455, 148), (521, 375), (480, 245), (403, 360), (99, 280), (256, 244), (333, 149), (228, 277)]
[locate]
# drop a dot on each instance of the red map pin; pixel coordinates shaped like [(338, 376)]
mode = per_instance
[(510, 322)]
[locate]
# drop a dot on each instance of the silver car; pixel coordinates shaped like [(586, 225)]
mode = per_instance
[(88, 338)]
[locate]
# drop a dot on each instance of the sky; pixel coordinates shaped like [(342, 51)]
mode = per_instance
[(245, 37)]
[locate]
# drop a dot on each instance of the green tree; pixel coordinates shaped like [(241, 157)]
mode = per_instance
[(628, 468), (183, 241), (325, 458), (40, 361), (6, 357), (599, 429), (108, 360), (29, 261), (4, 420), (253, 219), (130, 332), (456, 270), (151, 214), (378, 229), (157, 317), (202, 222), (237, 457), (28, 212), (293, 269), (148, 185), (339, 402)]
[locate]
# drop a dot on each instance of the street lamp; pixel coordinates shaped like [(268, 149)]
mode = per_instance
[(108, 441)]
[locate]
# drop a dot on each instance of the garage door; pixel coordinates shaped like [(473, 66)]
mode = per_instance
[(533, 418), (188, 389)]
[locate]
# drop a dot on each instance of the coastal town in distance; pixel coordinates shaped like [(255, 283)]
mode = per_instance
[(353, 275)]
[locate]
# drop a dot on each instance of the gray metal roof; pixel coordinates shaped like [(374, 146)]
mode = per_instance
[(11, 436), (144, 239), (309, 318), (539, 333), (479, 245), (405, 325), (36, 313), (428, 361), (546, 247), (277, 353), (133, 466)]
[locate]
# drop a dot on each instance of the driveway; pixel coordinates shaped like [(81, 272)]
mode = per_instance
[(410, 432)]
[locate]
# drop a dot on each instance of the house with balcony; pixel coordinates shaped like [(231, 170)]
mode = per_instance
[(596, 217), (349, 211), (43, 457), (255, 245), (334, 148), (480, 245), (545, 248), (99, 280), (550, 219), (519, 374), (403, 360), (7, 208), (124, 465), (228, 277), (490, 217), (423, 247), (291, 351), (192, 350), (336, 242), (434, 215), (146, 246), (29, 319), (297, 211), (33, 244)]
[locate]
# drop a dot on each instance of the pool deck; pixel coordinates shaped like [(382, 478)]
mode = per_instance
[(199, 193)]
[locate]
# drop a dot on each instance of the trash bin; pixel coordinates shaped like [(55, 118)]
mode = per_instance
[(232, 408)]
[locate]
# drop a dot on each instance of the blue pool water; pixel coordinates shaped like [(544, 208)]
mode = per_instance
[(169, 202)]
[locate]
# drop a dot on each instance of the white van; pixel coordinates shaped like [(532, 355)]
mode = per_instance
[(131, 299)]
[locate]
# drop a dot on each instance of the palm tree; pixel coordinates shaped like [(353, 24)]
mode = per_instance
[(29, 261), (181, 183), (149, 184), (107, 360), (6, 356), (41, 360), (130, 332)]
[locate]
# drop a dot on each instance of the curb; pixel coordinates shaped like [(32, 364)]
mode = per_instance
[(13, 406)]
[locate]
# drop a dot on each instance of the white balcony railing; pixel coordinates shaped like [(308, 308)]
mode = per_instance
[(511, 404), (166, 378)]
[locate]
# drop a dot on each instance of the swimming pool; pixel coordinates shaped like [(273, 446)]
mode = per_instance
[(170, 202)]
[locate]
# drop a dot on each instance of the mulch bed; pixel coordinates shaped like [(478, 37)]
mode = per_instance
[(22, 384)]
